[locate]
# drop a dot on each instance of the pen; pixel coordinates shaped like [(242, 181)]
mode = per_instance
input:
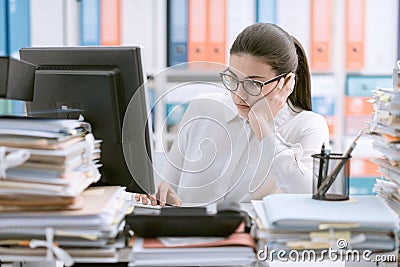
[(331, 178), (327, 153), (321, 165)]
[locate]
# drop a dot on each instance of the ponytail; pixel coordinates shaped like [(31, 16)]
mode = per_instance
[(301, 96)]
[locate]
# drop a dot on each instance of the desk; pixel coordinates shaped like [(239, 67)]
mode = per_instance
[(125, 255)]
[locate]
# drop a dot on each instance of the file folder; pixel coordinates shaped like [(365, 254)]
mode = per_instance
[(266, 11), (110, 22), (300, 211), (177, 31), (47, 22), (143, 22), (71, 23), (18, 108), (90, 22), (240, 14), (363, 85), (380, 36), (197, 26), (3, 28), (363, 167), (358, 106), (321, 22), (355, 34), (216, 24), (294, 17), (18, 26)]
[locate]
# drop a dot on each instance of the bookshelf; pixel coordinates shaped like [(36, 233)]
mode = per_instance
[(149, 23)]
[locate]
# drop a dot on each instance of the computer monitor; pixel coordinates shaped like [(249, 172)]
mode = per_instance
[(98, 83)]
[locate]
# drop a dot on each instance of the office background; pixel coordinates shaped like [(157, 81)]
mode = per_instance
[(352, 47)]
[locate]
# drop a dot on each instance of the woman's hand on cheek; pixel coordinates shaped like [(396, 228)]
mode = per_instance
[(278, 96), (265, 108)]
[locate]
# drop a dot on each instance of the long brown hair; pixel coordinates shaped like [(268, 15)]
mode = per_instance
[(283, 53)]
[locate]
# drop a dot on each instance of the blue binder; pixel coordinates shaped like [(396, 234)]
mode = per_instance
[(266, 11), (3, 28), (177, 31), (90, 22), (362, 85), (18, 108), (18, 26), (324, 105)]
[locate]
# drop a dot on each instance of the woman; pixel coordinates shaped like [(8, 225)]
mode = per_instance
[(256, 142)]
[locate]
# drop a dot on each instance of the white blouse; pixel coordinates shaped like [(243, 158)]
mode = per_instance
[(217, 157)]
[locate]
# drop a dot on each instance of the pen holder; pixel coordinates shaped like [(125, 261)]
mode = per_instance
[(331, 177)]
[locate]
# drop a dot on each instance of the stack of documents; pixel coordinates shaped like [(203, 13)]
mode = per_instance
[(236, 250), (93, 233), (385, 132), (298, 222), (46, 167), (47, 163)]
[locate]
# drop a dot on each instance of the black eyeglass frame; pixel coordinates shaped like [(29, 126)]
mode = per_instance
[(260, 84)]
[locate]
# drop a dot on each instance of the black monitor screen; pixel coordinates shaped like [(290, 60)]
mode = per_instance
[(98, 84)]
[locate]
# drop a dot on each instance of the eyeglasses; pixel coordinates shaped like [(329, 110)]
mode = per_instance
[(252, 87)]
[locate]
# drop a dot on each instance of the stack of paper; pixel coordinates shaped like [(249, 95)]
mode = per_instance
[(93, 233), (385, 132), (298, 222), (56, 161), (46, 167), (236, 250)]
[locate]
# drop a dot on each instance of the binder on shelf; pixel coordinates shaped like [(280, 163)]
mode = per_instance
[(18, 108), (90, 22), (363, 167), (294, 17), (177, 32), (323, 94), (3, 28), (362, 85), (362, 185), (143, 23), (355, 34), (197, 25), (71, 23), (47, 22), (330, 120), (321, 21), (240, 14), (18, 26), (323, 105), (380, 35), (7, 107), (354, 122), (358, 106), (110, 22), (216, 12), (266, 11)]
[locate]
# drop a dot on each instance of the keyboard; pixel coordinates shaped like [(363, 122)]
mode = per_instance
[(140, 208), (146, 206)]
